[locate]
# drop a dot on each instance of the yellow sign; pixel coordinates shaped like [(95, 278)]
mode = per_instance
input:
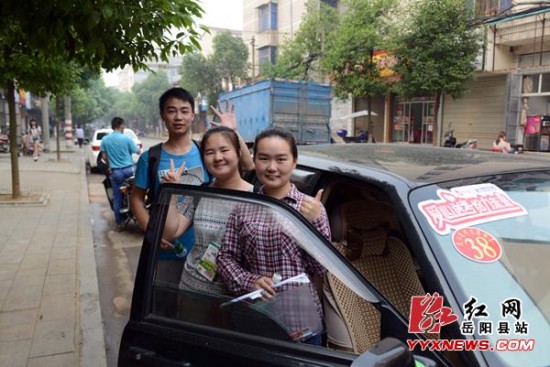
[(385, 62)]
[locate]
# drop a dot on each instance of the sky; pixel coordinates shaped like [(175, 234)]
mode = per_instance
[(223, 13), (217, 13)]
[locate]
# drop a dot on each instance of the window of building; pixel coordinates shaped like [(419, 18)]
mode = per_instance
[(545, 83), (491, 7), (534, 59), (333, 3), (536, 84), (267, 17), (267, 54)]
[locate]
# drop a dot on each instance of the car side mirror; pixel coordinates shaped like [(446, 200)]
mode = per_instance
[(390, 352)]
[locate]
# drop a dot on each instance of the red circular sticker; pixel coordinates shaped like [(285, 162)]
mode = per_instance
[(477, 245)]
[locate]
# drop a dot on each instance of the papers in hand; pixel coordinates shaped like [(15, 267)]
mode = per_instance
[(252, 296)]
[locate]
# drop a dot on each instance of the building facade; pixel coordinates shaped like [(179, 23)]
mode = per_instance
[(269, 23), (512, 90)]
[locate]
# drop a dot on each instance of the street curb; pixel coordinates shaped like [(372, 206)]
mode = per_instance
[(42, 200), (90, 330)]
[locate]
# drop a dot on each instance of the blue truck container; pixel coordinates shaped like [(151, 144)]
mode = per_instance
[(301, 107)]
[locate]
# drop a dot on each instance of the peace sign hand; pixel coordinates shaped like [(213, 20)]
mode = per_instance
[(311, 207), (174, 176), (226, 116)]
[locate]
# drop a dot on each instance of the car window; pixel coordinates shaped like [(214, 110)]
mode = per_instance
[(191, 288), (101, 135), (304, 179)]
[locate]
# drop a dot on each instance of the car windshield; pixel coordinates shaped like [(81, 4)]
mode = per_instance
[(491, 237)]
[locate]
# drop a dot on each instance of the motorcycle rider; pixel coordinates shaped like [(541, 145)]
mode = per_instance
[(117, 149)]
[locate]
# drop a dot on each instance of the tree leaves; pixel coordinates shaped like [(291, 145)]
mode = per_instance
[(437, 50)]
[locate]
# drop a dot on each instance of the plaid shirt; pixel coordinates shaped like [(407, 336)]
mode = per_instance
[(258, 242)]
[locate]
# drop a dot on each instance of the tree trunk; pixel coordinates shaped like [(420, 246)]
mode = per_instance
[(58, 127), (46, 122), (69, 142), (370, 127), (14, 148), (437, 129)]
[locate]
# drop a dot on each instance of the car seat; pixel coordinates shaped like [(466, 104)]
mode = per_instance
[(383, 259), (362, 214)]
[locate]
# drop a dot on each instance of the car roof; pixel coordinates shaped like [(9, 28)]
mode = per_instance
[(127, 131), (414, 164)]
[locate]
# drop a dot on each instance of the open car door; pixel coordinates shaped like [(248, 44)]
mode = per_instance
[(171, 325)]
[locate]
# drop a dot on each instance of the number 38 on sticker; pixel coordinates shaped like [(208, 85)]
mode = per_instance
[(477, 245)]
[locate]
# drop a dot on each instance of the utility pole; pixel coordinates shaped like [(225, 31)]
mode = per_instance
[(369, 99), (252, 43)]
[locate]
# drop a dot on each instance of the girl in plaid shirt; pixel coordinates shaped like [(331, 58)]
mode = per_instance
[(256, 245)]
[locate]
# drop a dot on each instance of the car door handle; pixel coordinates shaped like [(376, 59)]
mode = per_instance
[(147, 356)]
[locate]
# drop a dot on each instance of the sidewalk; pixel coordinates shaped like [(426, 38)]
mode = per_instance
[(49, 299)]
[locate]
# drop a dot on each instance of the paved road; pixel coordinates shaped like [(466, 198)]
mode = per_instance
[(117, 255)]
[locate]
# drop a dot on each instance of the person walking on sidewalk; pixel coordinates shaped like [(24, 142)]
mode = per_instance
[(117, 149), (80, 136), (35, 133)]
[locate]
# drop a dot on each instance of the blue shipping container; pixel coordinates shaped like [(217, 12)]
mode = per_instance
[(301, 107)]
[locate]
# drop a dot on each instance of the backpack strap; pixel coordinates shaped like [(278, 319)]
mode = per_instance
[(256, 188), (152, 166), (207, 176)]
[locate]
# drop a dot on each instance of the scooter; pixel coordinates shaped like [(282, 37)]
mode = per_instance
[(450, 140), (468, 144), (126, 190), (4, 143)]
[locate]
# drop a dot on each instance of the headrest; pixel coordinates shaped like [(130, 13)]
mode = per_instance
[(370, 242), (361, 214)]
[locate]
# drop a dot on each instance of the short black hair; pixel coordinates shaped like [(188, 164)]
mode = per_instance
[(116, 122), (177, 93)]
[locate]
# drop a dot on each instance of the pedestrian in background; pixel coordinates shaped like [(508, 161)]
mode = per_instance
[(502, 145), (117, 149), (35, 134), (80, 136)]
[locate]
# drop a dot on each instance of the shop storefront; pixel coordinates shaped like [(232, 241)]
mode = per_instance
[(535, 112), (413, 121)]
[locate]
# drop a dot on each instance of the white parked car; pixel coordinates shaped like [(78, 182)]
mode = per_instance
[(93, 158)]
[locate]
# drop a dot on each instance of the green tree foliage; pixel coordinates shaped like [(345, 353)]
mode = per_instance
[(230, 57), (147, 95), (40, 40), (363, 28), (299, 57), (108, 33), (436, 49), (207, 75), (200, 76), (90, 102), (125, 105)]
